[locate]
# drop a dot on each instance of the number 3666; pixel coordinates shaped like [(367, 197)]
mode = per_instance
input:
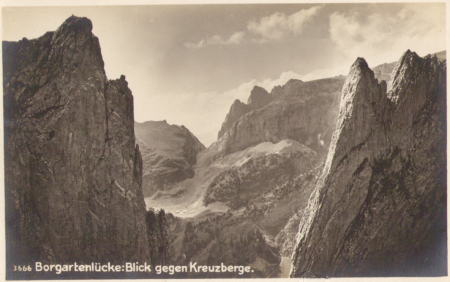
[(22, 268)]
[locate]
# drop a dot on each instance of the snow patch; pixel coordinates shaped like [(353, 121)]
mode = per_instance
[(270, 148)]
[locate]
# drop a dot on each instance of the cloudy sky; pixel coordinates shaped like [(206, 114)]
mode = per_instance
[(188, 63)]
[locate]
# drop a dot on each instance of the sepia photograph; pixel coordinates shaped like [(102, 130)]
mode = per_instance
[(224, 140)]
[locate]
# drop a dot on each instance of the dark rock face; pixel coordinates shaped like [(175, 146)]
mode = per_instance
[(169, 153), (381, 199), (441, 55), (73, 174)]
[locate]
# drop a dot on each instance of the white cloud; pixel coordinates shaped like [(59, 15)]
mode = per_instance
[(341, 69), (200, 44), (278, 25), (235, 39), (381, 38), (268, 84), (273, 27)]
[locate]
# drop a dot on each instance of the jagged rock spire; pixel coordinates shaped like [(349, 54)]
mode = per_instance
[(363, 217)]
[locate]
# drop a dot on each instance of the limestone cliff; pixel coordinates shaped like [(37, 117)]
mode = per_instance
[(237, 110), (169, 153), (258, 98), (302, 111), (380, 203), (73, 174), (259, 172)]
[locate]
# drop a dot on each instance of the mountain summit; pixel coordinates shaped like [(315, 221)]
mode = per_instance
[(379, 207), (73, 174), (169, 153), (302, 111)]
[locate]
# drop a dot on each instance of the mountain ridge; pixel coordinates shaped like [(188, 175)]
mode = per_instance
[(289, 115), (259, 97), (267, 184), (376, 147), (169, 153)]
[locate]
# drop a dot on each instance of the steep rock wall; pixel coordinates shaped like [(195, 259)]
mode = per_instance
[(302, 111), (237, 110), (169, 153), (73, 174), (258, 98), (382, 194)]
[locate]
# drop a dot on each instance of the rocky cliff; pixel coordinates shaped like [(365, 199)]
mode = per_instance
[(380, 205), (169, 153), (237, 110), (302, 111), (258, 98), (384, 71), (261, 169), (73, 174)]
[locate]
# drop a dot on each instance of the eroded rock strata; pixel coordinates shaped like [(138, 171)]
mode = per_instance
[(258, 98), (257, 174), (381, 199), (73, 174), (237, 110), (169, 153), (305, 112)]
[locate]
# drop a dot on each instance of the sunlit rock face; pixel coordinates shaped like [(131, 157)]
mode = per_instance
[(73, 174), (169, 153), (379, 207), (258, 98), (302, 111)]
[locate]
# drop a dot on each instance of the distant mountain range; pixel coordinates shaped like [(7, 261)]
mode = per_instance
[(342, 176), (169, 153), (269, 157)]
